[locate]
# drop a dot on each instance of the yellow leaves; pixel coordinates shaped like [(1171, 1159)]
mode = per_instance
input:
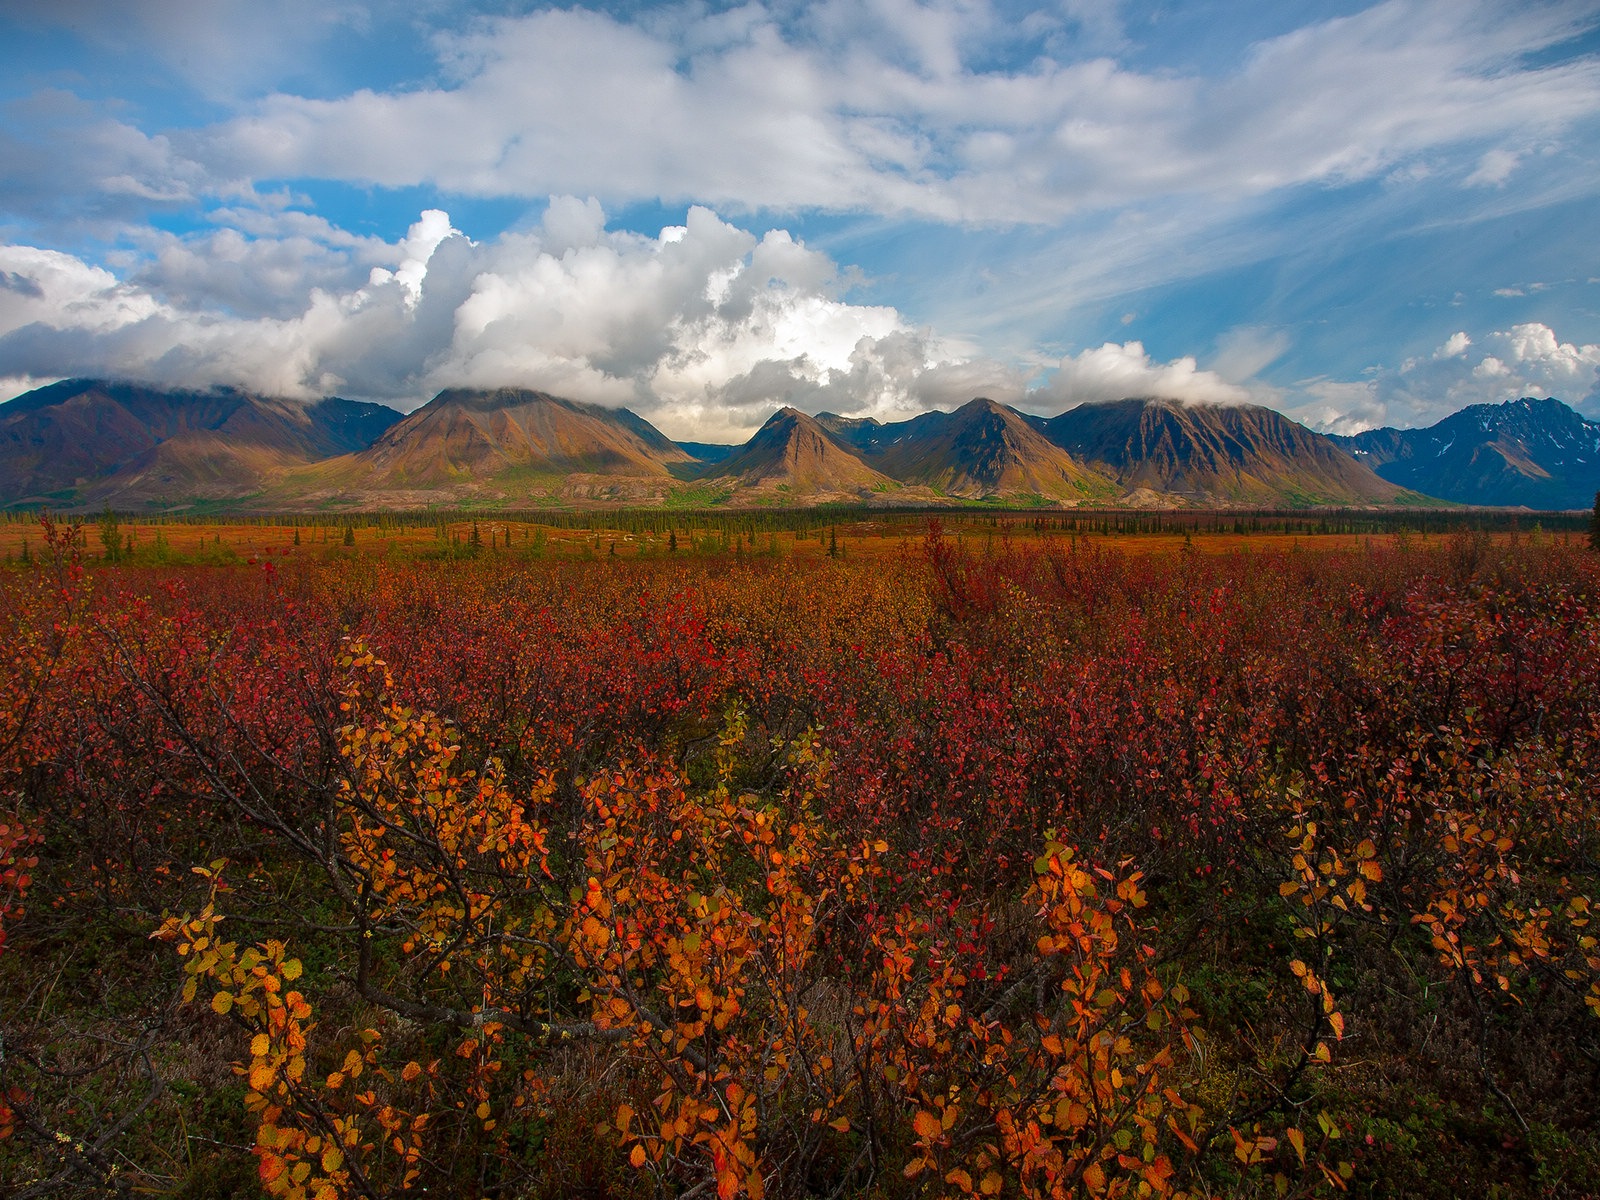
[(262, 1075), (222, 1003), (1298, 1141), (637, 1158)]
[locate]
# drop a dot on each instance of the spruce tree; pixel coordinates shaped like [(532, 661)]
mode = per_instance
[(1594, 526), (110, 534)]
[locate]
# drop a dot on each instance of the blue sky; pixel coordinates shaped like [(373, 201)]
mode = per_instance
[(1356, 213)]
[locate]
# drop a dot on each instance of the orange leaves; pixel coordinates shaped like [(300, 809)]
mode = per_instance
[(1070, 1097)]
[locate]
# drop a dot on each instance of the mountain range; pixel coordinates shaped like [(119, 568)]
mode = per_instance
[(1535, 453), (85, 444)]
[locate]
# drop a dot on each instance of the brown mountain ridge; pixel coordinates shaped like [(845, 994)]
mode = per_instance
[(981, 450), (793, 453), (1214, 453), (84, 443), (503, 445), (81, 444)]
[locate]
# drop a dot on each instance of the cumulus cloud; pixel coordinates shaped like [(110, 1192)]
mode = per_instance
[(1525, 360), (705, 327), (1116, 371)]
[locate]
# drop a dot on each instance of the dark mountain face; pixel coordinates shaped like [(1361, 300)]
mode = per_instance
[(708, 452), (1537, 453), (88, 442), (1213, 452), (863, 435), (347, 426)]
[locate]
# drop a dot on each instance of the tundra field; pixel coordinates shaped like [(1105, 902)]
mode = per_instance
[(1151, 854)]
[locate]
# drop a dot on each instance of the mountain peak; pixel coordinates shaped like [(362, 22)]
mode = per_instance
[(792, 450), (1531, 452)]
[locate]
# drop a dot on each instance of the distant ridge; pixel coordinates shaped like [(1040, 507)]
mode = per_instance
[(1537, 453), (1241, 454), (82, 444)]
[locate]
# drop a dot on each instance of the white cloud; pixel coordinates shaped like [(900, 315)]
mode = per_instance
[(1494, 168), (706, 327), (1115, 372), (894, 108), (12, 386), (57, 290), (1340, 406), (1525, 360)]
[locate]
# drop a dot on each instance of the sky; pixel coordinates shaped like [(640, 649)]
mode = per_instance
[(1358, 214)]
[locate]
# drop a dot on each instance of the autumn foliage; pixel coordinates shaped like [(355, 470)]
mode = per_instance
[(1035, 872)]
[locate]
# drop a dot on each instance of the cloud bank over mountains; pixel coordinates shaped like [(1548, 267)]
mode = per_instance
[(884, 206), (705, 328)]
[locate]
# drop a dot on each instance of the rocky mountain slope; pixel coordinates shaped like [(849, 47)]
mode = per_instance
[(1210, 453), (793, 453), (983, 449)]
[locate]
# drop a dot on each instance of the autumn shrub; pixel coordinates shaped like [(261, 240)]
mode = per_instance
[(1014, 870)]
